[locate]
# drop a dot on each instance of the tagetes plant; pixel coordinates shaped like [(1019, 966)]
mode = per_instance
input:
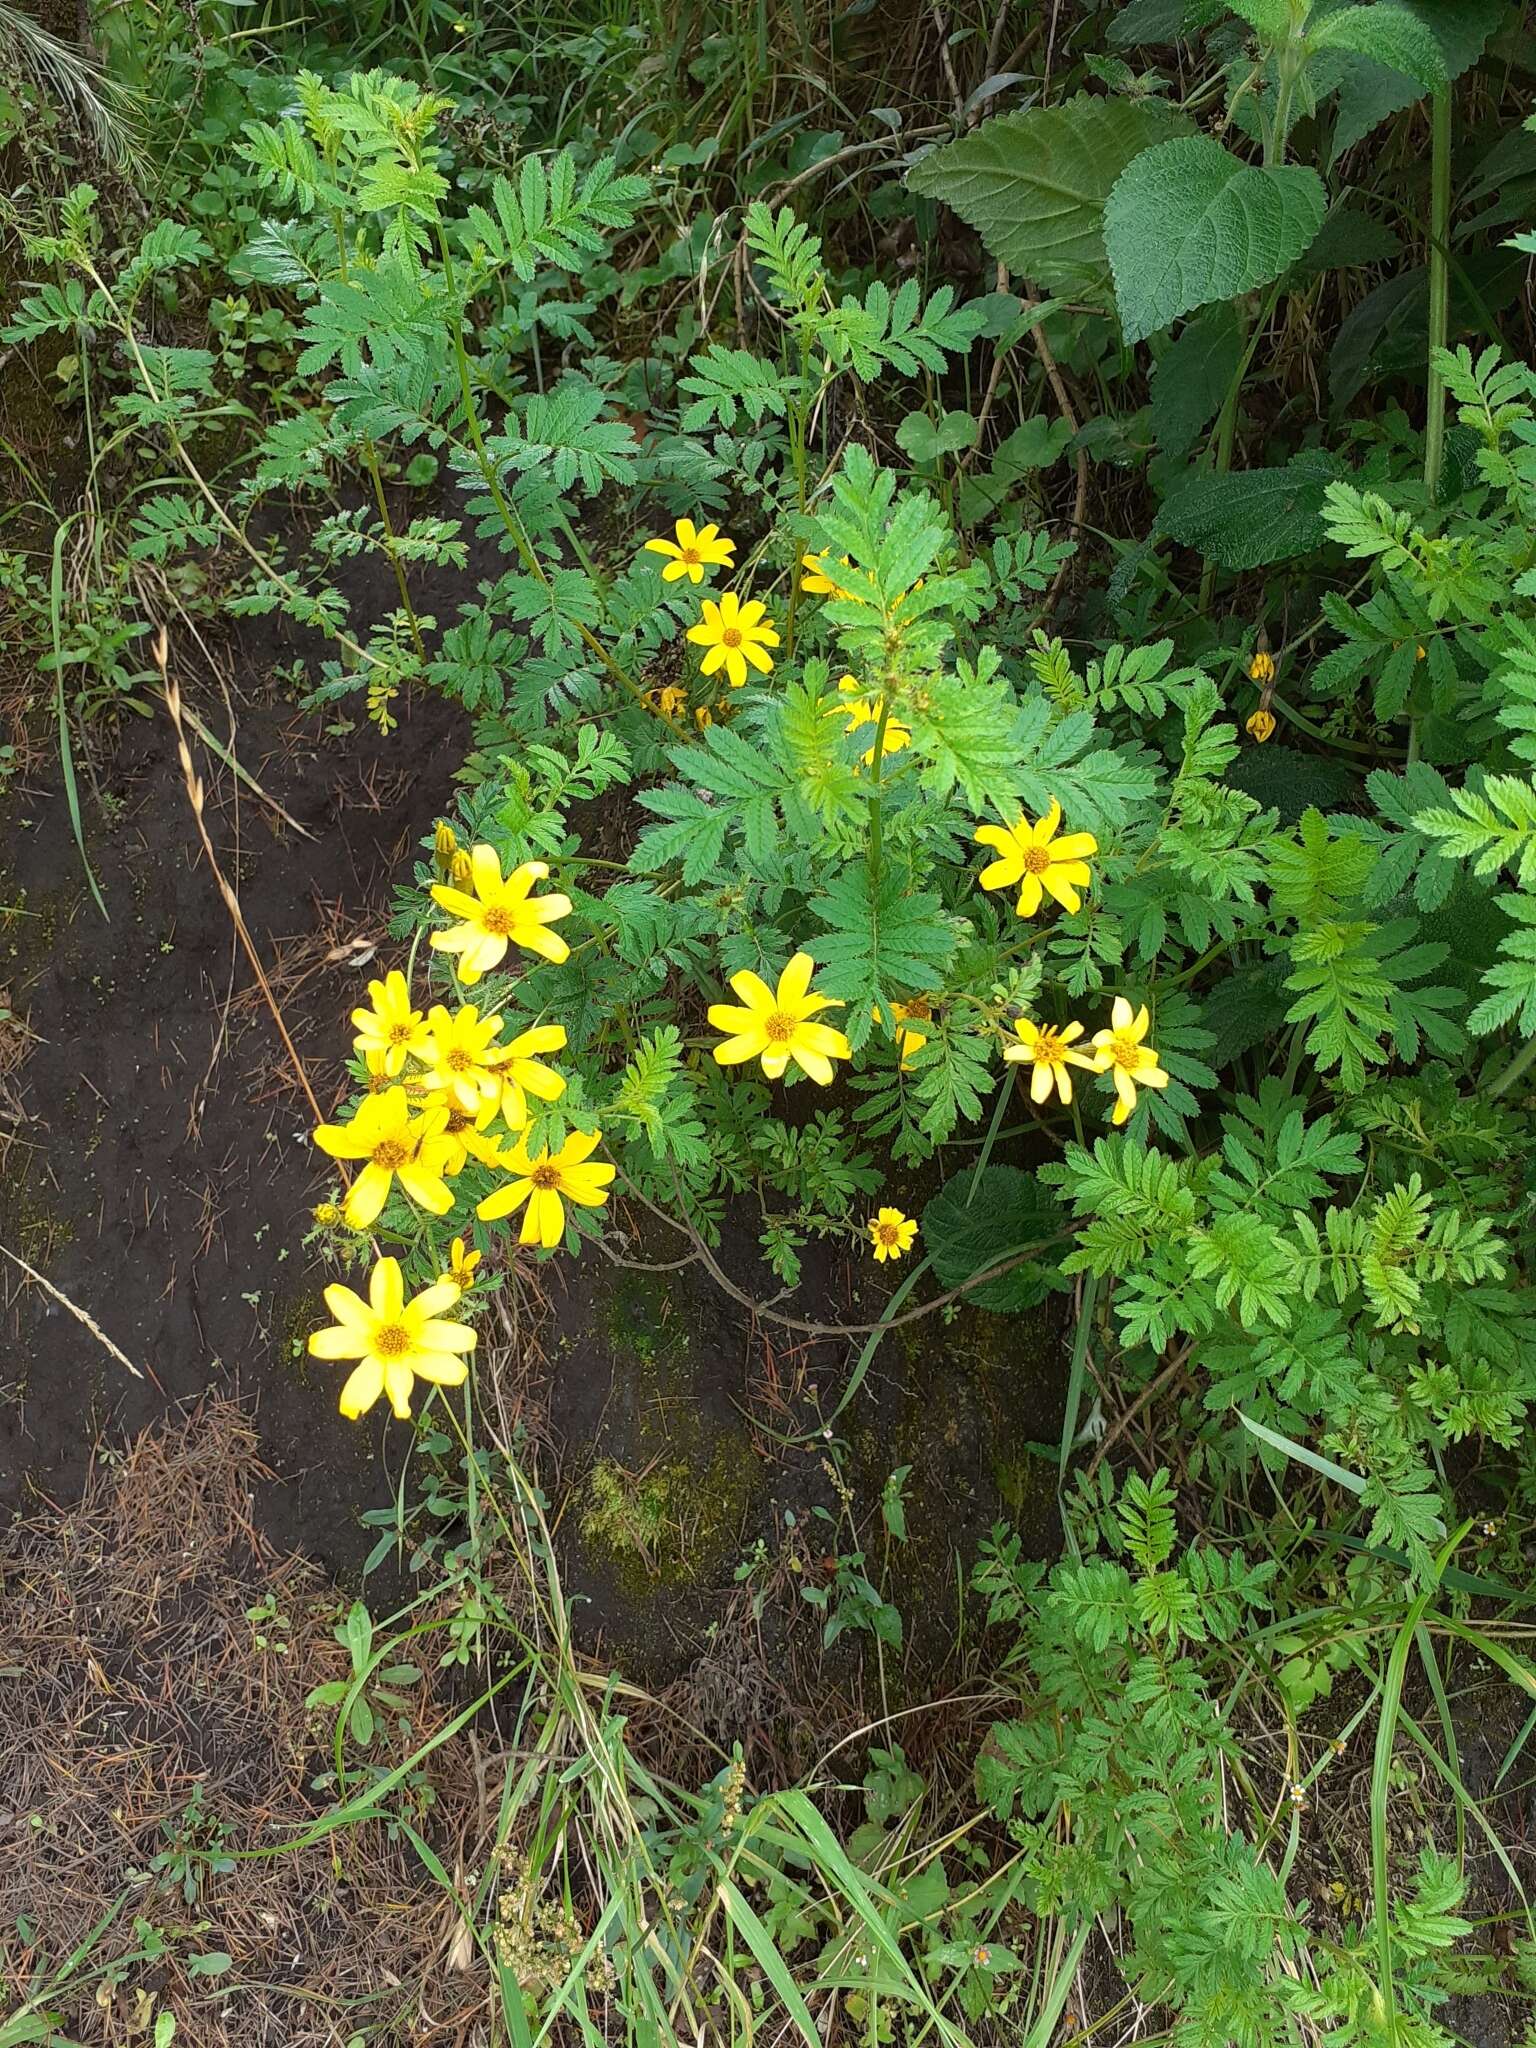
[(691, 551), (1032, 859), (1050, 1051), (392, 1141), (390, 1028), (891, 1234), (735, 636), (1122, 1052), (499, 914), (395, 1341), (544, 1182), (777, 1025)]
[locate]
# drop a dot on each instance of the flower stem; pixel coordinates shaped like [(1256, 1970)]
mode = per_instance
[(1439, 282)]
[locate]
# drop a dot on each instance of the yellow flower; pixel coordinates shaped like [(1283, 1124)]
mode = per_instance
[(499, 914), (523, 1073), (1261, 725), (395, 1144), (445, 845), (460, 1056), (890, 1234), (396, 1341), (734, 634), (775, 1025), (391, 1028), (816, 582), (1048, 1048), (1120, 1051), (694, 550), (1262, 667), (919, 1010), (861, 711), (1038, 861), (546, 1182), (464, 1137), (461, 1267)]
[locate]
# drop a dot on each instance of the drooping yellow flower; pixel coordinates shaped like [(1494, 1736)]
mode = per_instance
[(861, 711), (1048, 1049), (890, 1234), (672, 699), (461, 1267), (1038, 861), (396, 1144), (390, 1028), (396, 1341), (734, 634), (1120, 1051), (695, 549), (918, 1011), (1262, 667), (546, 1181), (775, 1024), (816, 582), (461, 1056), (1261, 725), (467, 1135), (523, 1073), (499, 914)]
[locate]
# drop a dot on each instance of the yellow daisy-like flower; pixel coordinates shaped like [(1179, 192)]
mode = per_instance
[(461, 1056), (918, 1011), (775, 1024), (1261, 725), (466, 1136), (1120, 1051), (499, 914), (523, 1073), (1038, 861), (461, 1267), (396, 1341), (695, 549), (861, 711), (390, 1028), (890, 1234), (734, 634), (815, 582), (1262, 667), (396, 1144), (1048, 1049), (546, 1182)]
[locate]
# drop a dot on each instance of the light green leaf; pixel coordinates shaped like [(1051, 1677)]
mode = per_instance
[(1188, 223), (1033, 185), (1370, 91), (1387, 35)]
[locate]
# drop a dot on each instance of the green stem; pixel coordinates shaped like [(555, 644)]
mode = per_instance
[(1514, 1070), (1439, 282)]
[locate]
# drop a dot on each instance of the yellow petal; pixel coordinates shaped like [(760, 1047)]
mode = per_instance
[(362, 1389)]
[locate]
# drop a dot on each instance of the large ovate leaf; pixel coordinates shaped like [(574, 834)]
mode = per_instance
[(1372, 89), (973, 1225), (1033, 185), (1387, 35), (1188, 223), (1252, 516)]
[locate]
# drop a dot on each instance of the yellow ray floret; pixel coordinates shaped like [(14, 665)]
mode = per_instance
[(396, 1342), (461, 1056), (1040, 863), (389, 1028), (523, 1073), (546, 1181), (861, 712), (467, 1135), (733, 635), (816, 582), (774, 1025), (460, 1272), (1048, 1048), (695, 549), (890, 1234), (499, 914), (396, 1144), (1120, 1051)]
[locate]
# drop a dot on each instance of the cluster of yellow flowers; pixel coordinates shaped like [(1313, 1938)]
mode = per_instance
[(443, 1081)]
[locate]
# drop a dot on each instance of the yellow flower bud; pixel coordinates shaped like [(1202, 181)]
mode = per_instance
[(327, 1215), (1262, 726), (1262, 668), (444, 847), (460, 873)]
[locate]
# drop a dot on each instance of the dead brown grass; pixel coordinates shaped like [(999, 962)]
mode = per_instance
[(132, 1683)]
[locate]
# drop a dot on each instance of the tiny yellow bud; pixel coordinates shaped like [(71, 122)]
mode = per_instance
[(1262, 667), (327, 1214), (460, 873), (1261, 726), (444, 846)]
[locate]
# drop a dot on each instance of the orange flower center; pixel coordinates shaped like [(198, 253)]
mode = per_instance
[(545, 1176), (391, 1340), (1048, 1049), (1125, 1052), (391, 1153), (779, 1028), (920, 1008), (730, 636), (692, 557), (458, 1061), (400, 1034), (496, 921), (888, 1235), (1036, 860)]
